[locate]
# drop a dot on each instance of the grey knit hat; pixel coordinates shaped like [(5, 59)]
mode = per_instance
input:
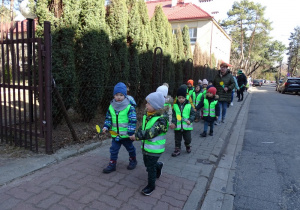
[(156, 99)]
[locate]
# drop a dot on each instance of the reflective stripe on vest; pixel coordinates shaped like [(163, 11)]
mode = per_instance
[(120, 122), (185, 114), (209, 108), (156, 144)]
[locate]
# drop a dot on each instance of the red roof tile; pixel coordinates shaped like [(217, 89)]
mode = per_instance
[(182, 11)]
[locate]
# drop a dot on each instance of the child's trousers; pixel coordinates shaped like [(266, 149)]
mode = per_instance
[(150, 163), (116, 145), (186, 135), (210, 124)]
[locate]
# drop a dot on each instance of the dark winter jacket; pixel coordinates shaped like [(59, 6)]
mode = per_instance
[(241, 80), (228, 82)]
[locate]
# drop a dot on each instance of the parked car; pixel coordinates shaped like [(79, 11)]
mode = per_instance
[(257, 82), (289, 84)]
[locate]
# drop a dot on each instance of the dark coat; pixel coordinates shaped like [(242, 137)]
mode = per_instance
[(241, 80), (228, 81)]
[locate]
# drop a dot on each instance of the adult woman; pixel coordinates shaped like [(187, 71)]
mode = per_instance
[(224, 83)]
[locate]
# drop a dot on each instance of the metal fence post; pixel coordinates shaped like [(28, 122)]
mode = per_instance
[(48, 87)]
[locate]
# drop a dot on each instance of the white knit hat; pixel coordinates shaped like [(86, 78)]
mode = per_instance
[(205, 82), (163, 89)]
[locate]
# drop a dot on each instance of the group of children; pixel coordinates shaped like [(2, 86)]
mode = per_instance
[(161, 113)]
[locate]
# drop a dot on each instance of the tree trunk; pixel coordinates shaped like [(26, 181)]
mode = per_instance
[(251, 44), (12, 10), (242, 48)]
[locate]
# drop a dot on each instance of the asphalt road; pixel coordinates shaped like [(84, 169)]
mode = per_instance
[(267, 175)]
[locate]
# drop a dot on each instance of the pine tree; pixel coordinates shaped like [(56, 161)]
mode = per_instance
[(133, 41), (179, 60), (117, 20), (92, 54), (145, 48), (186, 42), (63, 28)]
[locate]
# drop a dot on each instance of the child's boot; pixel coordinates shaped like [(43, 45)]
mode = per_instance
[(148, 189), (211, 132), (188, 149), (111, 167), (203, 134), (176, 152), (132, 163)]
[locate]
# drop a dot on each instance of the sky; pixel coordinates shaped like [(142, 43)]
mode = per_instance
[(284, 15)]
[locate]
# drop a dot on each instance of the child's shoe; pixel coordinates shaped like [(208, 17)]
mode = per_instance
[(176, 152), (159, 169), (148, 190), (132, 163), (211, 133), (188, 149), (111, 167), (203, 134)]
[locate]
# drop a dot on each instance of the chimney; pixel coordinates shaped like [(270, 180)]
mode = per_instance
[(174, 3)]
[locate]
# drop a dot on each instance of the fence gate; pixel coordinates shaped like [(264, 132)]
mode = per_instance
[(25, 86)]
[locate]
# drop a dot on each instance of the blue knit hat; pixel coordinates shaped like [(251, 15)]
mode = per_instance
[(120, 88)]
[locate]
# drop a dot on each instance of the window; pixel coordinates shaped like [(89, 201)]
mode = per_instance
[(174, 31), (193, 34)]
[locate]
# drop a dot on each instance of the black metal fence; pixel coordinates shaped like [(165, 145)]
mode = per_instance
[(25, 87), (29, 93)]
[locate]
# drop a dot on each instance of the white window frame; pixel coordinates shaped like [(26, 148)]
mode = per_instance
[(193, 35)]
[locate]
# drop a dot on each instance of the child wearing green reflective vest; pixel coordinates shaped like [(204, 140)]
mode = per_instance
[(197, 95), (211, 110), (152, 135), (182, 118), (190, 89), (121, 118)]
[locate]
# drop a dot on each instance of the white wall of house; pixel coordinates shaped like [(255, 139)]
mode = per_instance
[(211, 38)]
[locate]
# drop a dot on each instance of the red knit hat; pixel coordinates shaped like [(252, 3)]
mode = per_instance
[(190, 82), (212, 90)]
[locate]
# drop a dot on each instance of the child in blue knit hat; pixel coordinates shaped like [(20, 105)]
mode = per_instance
[(121, 118)]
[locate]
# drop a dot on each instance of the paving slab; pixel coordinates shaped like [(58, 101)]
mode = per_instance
[(72, 178)]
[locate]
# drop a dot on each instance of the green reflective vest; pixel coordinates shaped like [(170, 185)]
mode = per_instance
[(209, 109), (197, 99), (189, 93), (156, 144), (120, 122), (185, 114)]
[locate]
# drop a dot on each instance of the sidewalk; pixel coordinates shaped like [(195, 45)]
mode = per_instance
[(73, 179)]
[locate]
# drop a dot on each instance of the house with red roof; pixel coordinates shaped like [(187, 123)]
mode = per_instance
[(203, 28)]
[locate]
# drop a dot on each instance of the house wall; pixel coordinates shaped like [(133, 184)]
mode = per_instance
[(210, 37)]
